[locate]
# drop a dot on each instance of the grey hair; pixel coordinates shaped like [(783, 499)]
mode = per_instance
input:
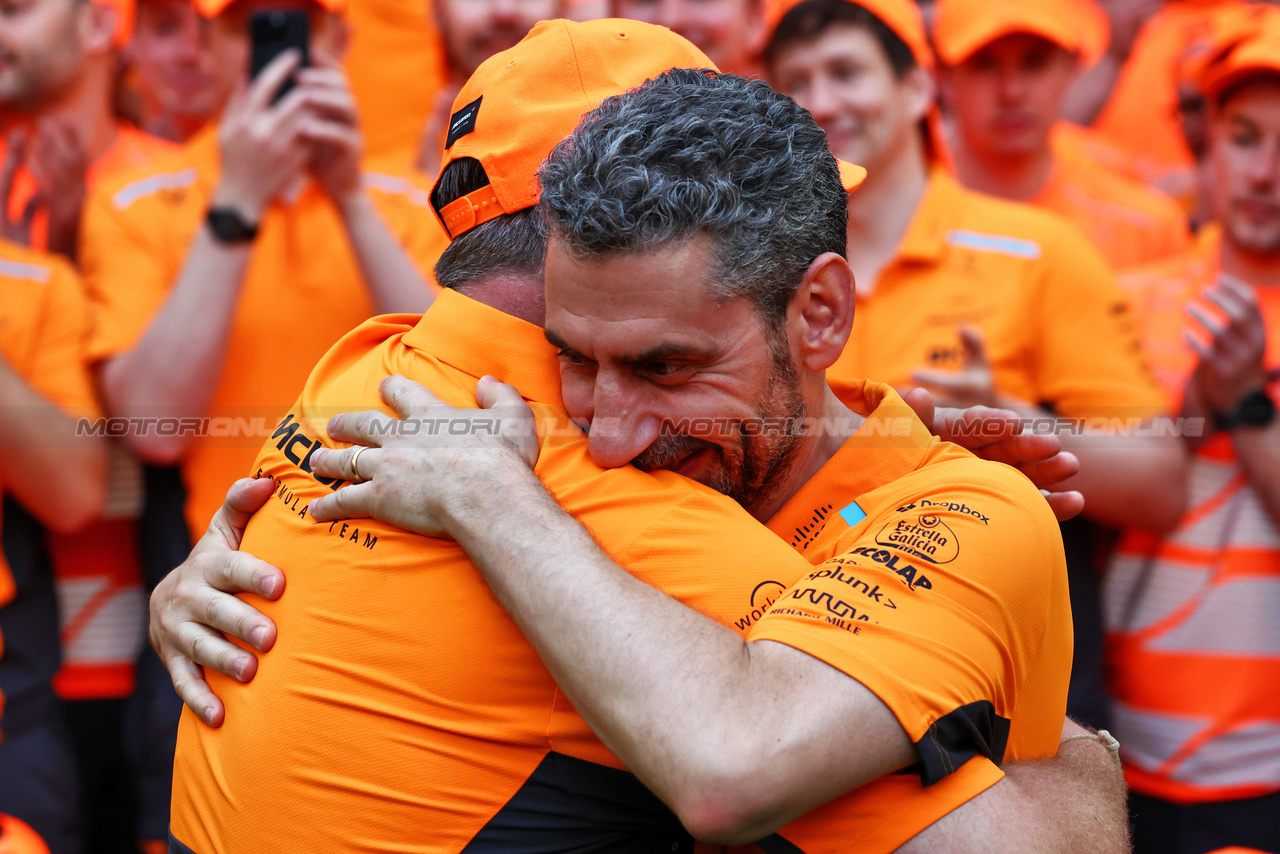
[(695, 152), (510, 244)]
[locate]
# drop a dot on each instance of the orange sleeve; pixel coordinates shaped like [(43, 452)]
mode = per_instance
[(403, 199), (127, 277), (1088, 357), (940, 607), (57, 369)]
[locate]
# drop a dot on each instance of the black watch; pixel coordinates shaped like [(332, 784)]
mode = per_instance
[(229, 225), (1255, 409)]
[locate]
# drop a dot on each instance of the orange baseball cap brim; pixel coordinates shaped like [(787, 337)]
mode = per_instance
[(963, 27), (851, 175), (214, 8), (1247, 46)]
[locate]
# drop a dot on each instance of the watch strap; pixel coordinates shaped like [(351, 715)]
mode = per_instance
[(228, 225), (1255, 409)]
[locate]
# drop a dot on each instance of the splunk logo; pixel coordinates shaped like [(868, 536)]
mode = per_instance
[(951, 506)]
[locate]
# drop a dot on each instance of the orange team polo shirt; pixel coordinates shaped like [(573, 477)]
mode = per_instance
[(131, 150), (1142, 111), (1193, 656), (943, 589), (1055, 322), (1129, 223), (42, 324), (449, 731), (302, 291), (397, 65)]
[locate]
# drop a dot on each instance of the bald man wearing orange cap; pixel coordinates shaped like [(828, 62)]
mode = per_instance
[(1008, 67), (1194, 659)]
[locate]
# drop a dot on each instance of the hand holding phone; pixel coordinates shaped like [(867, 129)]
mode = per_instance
[(271, 33)]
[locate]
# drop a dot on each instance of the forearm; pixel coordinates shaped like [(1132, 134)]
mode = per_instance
[(175, 366), (57, 475), (1259, 451), (737, 738), (609, 639), (1128, 481), (396, 285), (1072, 803)]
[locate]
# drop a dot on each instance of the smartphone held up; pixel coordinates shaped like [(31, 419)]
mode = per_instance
[(271, 33)]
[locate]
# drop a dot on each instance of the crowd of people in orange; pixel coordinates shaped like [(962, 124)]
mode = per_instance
[(1063, 224)]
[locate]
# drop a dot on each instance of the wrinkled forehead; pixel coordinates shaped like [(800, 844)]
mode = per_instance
[(634, 303)]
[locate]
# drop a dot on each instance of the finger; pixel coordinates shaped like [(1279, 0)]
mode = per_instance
[(1203, 350), (406, 396), (331, 462), (944, 381), (975, 350), (209, 649), (921, 402), (270, 79), (1239, 287), (323, 132), (1065, 505), (1233, 305), (350, 502), (236, 618), (245, 497), (362, 428), (240, 572), (1048, 474), (994, 425), (188, 682), (1210, 323), (1023, 449)]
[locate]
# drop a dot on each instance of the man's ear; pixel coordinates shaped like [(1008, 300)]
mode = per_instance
[(921, 90), (339, 36), (822, 312), (98, 27)]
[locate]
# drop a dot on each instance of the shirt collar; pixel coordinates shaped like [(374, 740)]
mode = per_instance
[(891, 443), (478, 339), (926, 237)]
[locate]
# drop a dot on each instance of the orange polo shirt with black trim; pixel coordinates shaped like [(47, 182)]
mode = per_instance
[(941, 585), (1130, 224), (42, 326), (452, 734), (1054, 320), (302, 274)]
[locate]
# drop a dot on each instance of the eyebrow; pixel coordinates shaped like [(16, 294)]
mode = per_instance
[(659, 353)]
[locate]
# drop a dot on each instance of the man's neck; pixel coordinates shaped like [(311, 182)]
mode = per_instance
[(1254, 268), (881, 211), (1018, 178), (828, 433), (86, 108)]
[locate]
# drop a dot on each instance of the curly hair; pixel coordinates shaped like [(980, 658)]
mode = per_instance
[(694, 152)]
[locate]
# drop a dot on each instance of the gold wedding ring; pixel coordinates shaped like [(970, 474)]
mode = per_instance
[(355, 471)]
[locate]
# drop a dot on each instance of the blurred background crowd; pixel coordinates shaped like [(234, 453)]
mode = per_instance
[(1026, 158)]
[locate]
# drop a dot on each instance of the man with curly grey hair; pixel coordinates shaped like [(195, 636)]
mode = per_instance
[(696, 290)]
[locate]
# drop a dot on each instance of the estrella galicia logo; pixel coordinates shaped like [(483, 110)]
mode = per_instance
[(926, 537)]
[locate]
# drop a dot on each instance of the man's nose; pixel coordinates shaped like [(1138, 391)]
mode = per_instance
[(622, 426)]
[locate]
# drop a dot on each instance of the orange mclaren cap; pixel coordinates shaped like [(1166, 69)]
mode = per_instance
[(214, 8), (962, 27), (522, 102), (903, 18), (1249, 47)]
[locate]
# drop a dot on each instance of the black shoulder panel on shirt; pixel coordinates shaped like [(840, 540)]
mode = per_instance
[(958, 736), (571, 806)]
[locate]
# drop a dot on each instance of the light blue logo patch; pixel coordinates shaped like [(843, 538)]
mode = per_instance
[(853, 514)]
